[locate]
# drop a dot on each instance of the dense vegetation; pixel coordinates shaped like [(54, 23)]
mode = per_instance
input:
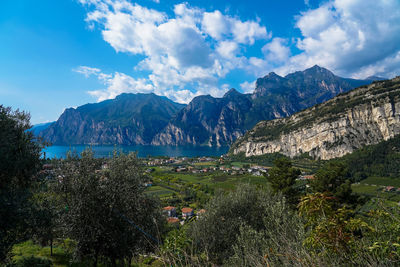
[(19, 170), (380, 160), (83, 211)]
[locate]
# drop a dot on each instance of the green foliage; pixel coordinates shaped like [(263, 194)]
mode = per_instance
[(278, 242), (331, 230), (266, 159), (376, 160), (384, 240), (32, 261), (61, 253), (334, 179), (105, 207), (177, 246), (282, 178), (216, 231), (19, 166)]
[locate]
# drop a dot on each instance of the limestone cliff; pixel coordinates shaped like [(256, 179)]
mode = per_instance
[(364, 116)]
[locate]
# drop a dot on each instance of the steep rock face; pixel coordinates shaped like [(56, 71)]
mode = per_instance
[(364, 116), (207, 121), (128, 119), (220, 121)]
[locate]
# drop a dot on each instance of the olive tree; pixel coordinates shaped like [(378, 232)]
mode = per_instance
[(216, 232), (19, 164), (106, 210)]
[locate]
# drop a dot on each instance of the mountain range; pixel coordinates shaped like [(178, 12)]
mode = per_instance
[(131, 119)]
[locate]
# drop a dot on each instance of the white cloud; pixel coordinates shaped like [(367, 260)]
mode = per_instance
[(350, 37), (215, 24), (193, 48), (189, 52), (277, 50), (87, 71), (227, 49), (118, 83), (220, 26), (248, 87)]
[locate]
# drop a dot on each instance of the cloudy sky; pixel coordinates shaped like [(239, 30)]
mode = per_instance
[(65, 53)]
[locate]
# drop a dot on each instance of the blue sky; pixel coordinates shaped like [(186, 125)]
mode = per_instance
[(65, 53)]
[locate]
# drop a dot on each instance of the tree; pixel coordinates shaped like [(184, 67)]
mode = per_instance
[(216, 231), (106, 210), (334, 178), (19, 164), (282, 178), (331, 230)]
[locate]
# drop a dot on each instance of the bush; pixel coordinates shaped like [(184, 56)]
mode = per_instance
[(217, 231), (31, 261)]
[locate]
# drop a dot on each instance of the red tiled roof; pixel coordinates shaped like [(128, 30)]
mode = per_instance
[(168, 208), (173, 220), (187, 210)]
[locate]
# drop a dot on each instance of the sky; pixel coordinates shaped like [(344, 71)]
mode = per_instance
[(66, 53)]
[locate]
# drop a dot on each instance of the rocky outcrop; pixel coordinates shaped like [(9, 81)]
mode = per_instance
[(364, 116), (208, 121)]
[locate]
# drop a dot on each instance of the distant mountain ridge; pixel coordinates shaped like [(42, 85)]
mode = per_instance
[(37, 128), (220, 121), (150, 119), (129, 119)]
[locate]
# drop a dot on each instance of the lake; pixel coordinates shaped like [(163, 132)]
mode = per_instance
[(143, 151)]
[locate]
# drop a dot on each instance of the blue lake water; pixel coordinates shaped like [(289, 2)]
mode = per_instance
[(143, 151)]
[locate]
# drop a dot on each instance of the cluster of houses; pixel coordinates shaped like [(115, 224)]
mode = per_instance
[(186, 213), (162, 161), (234, 170), (178, 160)]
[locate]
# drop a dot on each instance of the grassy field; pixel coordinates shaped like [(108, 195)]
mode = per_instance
[(375, 191), (60, 256), (159, 191), (385, 181)]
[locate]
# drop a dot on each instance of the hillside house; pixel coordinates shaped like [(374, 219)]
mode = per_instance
[(187, 213), (389, 189), (173, 220), (170, 211)]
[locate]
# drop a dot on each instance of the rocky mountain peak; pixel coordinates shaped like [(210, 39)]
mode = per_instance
[(232, 92)]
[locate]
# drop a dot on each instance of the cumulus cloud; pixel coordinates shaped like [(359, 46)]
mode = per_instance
[(117, 83), (277, 50), (191, 51), (220, 26), (248, 87), (192, 48), (352, 37)]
